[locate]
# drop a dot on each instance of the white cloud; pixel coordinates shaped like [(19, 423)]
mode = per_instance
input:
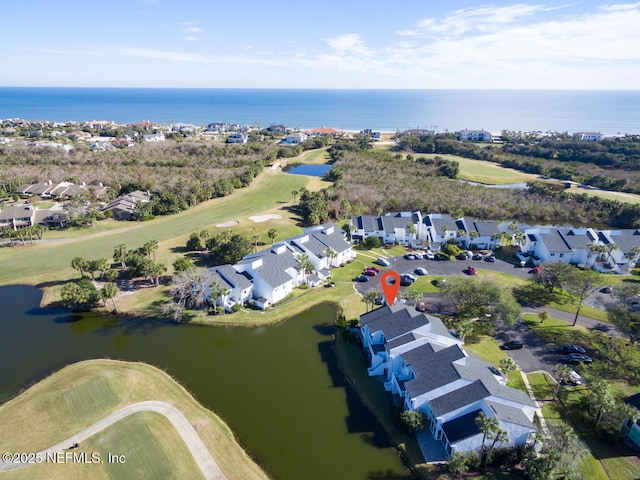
[(347, 44)]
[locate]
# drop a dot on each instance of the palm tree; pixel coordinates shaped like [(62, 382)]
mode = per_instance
[(498, 435), (507, 365), (255, 239), (486, 425), (305, 265), (331, 255), (272, 234), (411, 229), (598, 249), (10, 234), (633, 254), (295, 194), (80, 264), (101, 264), (120, 255), (370, 298), (110, 291)]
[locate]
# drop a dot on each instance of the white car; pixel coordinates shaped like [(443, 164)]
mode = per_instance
[(429, 255), (418, 256), (383, 262)]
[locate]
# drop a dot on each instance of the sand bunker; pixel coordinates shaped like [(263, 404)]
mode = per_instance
[(264, 218), (231, 223)]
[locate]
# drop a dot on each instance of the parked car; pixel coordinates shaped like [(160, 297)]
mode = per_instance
[(369, 273), (463, 256), (406, 280), (536, 269), (383, 262), (362, 278), (472, 270), (606, 289), (421, 271), (489, 258), (566, 348), (576, 358), (374, 269), (379, 301), (422, 307), (409, 256), (409, 275), (418, 256), (477, 256), (441, 256), (512, 345), (429, 255)]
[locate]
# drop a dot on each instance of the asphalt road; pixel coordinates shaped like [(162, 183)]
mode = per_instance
[(537, 355)]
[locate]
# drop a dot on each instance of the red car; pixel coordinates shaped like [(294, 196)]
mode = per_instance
[(370, 273), (472, 270), (375, 269), (536, 269)]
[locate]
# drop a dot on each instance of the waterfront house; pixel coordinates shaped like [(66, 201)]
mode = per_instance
[(425, 369), (237, 287), (479, 234), (620, 245)]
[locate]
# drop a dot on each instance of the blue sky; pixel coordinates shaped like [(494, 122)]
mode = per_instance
[(328, 44)]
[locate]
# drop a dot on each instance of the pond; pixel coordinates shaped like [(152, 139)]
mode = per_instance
[(314, 170), (278, 388)]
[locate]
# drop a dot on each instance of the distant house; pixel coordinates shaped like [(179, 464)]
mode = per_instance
[(277, 128), (588, 136), (124, 207), (316, 242), (14, 218), (425, 369), (237, 138), (237, 285), (416, 131), (620, 244), (370, 133), (474, 135), (294, 138), (153, 137), (315, 132)]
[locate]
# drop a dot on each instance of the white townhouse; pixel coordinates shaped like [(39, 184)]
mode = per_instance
[(238, 286), (621, 244), (274, 271), (392, 228), (318, 242), (570, 245), (480, 234), (427, 370), (294, 138), (437, 229)]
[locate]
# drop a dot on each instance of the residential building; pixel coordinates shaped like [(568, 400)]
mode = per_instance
[(124, 206), (392, 228), (237, 138), (588, 136), (237, 286), (619, 245), (294, 138), (153, 137), (437, 229), (425, 369), (571, 245), (17, 217), (317, 242), (479, 234), (474, 135)]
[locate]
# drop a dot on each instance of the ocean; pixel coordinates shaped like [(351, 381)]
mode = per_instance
[(607, 112)]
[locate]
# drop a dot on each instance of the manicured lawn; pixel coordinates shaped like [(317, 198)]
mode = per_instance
[(424, 285), (269, 191), (486, 347), (541, 386), (619, 196), (42, 416), (149, 441)]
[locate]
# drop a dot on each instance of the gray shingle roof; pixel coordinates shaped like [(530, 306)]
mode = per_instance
[(554, 241), (394, 321), (459, 398), (509, 414), (625, 240), (577, 241), (433, 368), (233, 277), (275, 267)]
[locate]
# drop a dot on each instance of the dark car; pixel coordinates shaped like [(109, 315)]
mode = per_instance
[(440, 256), (576, 358), (421, 271), (572, 349), (490, 258), (512, 345), (477, 256), (406, 280), (409, 257), (362, 278)]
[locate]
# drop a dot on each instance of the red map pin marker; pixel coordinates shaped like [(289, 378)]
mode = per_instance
[(390, 291)]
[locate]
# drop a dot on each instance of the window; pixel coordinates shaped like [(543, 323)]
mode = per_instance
[(561, 255), (553, 254)]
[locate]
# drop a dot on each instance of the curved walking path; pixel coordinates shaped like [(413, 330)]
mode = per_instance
[(198, 449)]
